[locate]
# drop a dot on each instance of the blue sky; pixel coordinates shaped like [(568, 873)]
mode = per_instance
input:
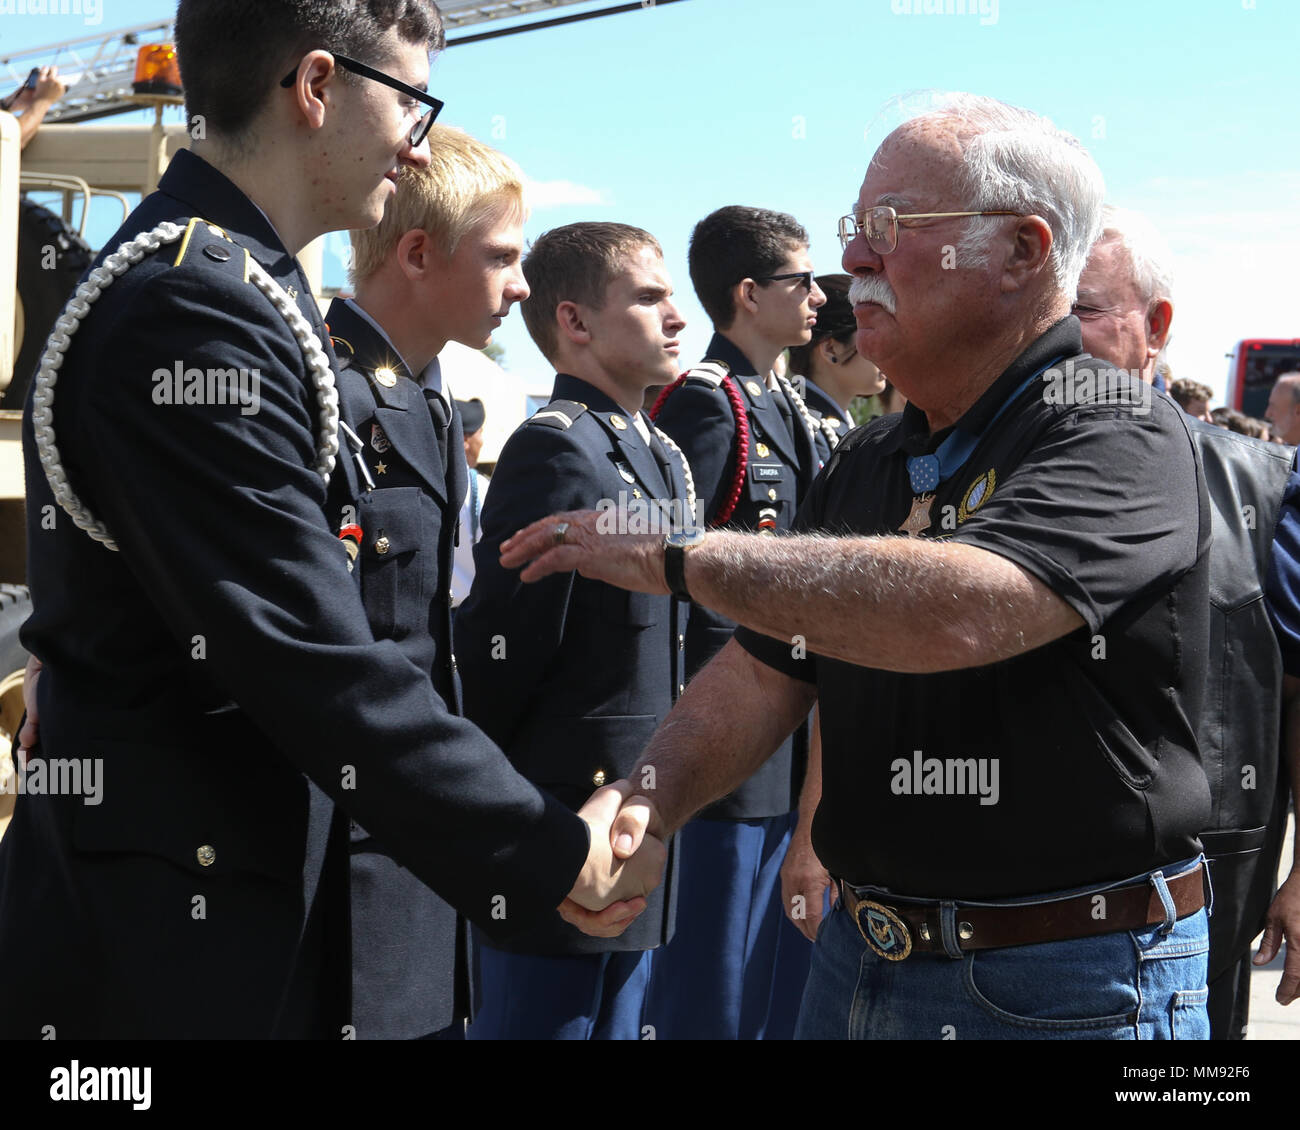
[(658, 116)]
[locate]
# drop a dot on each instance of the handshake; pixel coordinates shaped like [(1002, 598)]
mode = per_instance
[(625, 862)]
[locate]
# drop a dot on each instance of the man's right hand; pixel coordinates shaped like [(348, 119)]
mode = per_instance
[(49, 87), (611, 888)]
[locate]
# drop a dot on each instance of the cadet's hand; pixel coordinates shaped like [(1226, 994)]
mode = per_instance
[(803, 876), (610, 892), (576, 540), (29, 735), (1284, 921), (636, 819)]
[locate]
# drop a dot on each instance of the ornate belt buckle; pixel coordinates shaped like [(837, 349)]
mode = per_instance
[(883, 930)]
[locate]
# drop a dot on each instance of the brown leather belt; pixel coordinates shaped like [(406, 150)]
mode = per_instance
[(893, 928)]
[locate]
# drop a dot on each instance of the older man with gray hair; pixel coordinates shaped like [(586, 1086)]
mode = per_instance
[(1125, 307), (1002, 616)]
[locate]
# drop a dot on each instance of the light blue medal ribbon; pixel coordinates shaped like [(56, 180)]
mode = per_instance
[(926, 472)]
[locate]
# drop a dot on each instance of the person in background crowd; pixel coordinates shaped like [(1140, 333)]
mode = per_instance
[(834, 371), (1241, 732), (1193, 397), (473, 416), (1283, 411)]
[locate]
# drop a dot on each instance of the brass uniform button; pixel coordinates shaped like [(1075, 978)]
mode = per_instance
[(206, 855), (598, 778), (381, 546), (217, 253)]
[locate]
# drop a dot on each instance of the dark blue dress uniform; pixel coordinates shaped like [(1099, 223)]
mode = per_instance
[(410, 967), (838, 422), (571, 677), (737, 967), (222, 669)]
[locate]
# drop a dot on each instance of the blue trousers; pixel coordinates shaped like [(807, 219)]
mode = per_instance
[(736, 967), (1146, 984), (596, 996)]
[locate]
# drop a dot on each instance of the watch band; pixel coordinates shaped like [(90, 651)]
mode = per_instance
[(675, 570)]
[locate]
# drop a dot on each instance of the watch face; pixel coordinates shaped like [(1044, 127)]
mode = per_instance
[(684, 539)]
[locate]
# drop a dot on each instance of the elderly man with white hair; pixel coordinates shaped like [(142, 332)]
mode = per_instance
[(1125, 307), (1001, 612)]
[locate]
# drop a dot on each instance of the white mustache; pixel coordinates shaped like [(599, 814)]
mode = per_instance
[(872, 288)]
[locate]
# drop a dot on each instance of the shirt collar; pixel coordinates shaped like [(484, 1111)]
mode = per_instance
[(1064, 339)]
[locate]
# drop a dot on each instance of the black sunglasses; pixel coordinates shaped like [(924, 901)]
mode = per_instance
[(805, 279), (422, 127)]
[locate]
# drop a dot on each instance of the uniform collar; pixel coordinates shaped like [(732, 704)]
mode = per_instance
[(1064, 339), (575, 388), (722, 348)]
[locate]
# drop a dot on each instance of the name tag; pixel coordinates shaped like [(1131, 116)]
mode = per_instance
[(766, 472)]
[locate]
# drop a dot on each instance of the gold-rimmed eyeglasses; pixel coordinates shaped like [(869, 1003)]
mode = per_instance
[(880, 225)]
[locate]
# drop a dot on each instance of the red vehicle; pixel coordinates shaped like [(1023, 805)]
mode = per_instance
[(1257, 362)]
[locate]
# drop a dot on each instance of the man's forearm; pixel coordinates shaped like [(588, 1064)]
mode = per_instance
[(900, 604), (732, 717)]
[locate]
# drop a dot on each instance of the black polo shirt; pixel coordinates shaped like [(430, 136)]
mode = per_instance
[(1075, 762)]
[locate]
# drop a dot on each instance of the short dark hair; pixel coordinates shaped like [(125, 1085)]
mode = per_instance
[(233, 52), (1185, 390), (575, 263), (835, 321), (737, 243)]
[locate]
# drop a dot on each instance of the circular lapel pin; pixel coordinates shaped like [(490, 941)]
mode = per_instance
[(386, 377), (754, 388), (619, 423)]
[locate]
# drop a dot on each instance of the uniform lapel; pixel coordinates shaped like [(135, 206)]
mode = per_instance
[(401, 412)]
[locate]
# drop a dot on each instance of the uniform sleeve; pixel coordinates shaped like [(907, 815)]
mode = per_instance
[(1106, 508), (222, 522), (701, 422), (508, 631), (1282, 592)]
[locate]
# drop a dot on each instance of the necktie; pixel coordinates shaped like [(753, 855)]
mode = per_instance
[(441, 421), (660, 453)]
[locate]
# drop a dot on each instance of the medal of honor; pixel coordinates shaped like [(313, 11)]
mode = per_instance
[(918, 521)]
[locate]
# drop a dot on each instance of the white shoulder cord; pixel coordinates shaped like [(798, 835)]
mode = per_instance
[(666, 440), (808, 421), (78, 306)]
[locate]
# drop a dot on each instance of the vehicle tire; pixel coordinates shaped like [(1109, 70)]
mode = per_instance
[(51, 258), (15, 607)]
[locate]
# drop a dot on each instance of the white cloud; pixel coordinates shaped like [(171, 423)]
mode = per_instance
[(542, 194)]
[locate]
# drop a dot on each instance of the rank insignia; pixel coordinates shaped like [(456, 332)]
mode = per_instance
[(379, 439), (884, 931), (977, 494)]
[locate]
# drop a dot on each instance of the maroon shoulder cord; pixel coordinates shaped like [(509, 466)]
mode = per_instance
[(728, 386)]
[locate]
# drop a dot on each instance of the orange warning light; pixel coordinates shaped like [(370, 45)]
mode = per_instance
[(157, 71)]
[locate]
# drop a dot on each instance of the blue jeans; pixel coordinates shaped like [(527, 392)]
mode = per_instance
[(1146, 984)]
